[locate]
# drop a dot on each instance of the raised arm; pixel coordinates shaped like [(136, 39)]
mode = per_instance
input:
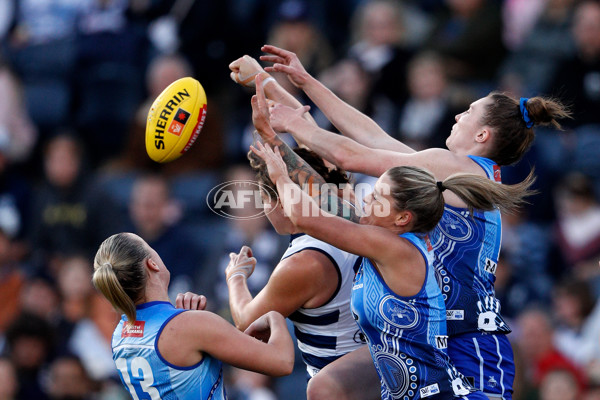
[(244, 71), (297, 280), (351, 156), (298, 170), (347, 119)]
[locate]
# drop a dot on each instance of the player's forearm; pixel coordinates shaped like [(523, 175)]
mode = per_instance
[(282, 343), (239, 298), (349, 121), (274, 91), (331, 146)]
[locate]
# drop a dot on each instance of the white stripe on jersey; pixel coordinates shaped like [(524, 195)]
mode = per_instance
[(345, 328)]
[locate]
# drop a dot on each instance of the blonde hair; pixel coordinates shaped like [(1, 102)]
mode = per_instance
[(416, 190), (119, 272)]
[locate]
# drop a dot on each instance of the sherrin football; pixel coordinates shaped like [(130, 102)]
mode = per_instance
[(175, 120)]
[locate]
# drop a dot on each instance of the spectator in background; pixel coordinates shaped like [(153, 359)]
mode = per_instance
[(577, 78), (535, 344), (294, 30), (112, 53), (359, 94), (378, 30), (546, 42), (19, 135), (12, 280), (30, 342), (8, 377), (15, 198), (429, 109), (69, 216), (41, 47), (560, 384), (68, 380), (578, 322), (577, 229), (40, 297), (81, 332), (468, 34)]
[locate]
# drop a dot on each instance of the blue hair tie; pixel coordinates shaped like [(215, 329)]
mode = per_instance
[(525, 113)]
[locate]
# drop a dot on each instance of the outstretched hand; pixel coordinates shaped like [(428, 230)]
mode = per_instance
[(287, 62), (244, 71), (276, 167), (260, 112)]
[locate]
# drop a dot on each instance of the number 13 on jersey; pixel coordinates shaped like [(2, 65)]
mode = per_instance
[(140, 371)]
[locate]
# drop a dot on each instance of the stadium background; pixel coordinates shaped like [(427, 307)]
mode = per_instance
[(77, 78)]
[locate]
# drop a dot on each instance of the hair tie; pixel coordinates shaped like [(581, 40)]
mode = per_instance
[(107, 264), (524, 112), (440, 186)]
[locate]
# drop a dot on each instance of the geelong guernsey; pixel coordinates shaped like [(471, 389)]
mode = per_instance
[(407, 335), (147, 375), (466, 248), (327, 332)]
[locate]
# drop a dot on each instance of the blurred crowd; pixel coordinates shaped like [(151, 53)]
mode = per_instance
[(77, 78)]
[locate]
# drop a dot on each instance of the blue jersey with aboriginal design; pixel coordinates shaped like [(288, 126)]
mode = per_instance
[(466, 248), (146, 374), (407, 335)]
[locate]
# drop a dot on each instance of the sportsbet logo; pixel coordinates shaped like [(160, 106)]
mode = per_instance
[(179, 120), (133, 330)]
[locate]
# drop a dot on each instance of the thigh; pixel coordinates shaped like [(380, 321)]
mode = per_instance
[(486, 361), (351, 377)]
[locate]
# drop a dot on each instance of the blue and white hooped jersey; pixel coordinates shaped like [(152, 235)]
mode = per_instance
[(326, 333), (144, 371), (466, 249), (407, 335)]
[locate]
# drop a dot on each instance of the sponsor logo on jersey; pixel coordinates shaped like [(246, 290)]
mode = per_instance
[(429, 390), (455, 315), (179, 120), (490, 266), (133, 330), (441, 341), (492, 382), (356, 287), (497, 173), (428, 243)]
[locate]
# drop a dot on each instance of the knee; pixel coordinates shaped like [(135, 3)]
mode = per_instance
[(324, 387)]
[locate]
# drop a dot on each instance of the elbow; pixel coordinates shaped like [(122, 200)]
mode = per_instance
[(286, 366), (341, 157)]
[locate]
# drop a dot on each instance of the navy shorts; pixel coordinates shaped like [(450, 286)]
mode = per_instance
[(486, 360)]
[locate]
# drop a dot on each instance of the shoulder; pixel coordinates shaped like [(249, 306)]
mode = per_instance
[(304, 262)]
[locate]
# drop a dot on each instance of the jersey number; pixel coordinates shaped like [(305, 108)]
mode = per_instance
[(145, 380)]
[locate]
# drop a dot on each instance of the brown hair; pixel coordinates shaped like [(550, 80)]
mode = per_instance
[(416, 189), (119, 272), (335, 176), (511, 136)]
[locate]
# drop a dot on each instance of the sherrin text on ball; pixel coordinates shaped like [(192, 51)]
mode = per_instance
[(175, 120)]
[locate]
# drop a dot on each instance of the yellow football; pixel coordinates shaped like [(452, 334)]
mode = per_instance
[(175, 120)]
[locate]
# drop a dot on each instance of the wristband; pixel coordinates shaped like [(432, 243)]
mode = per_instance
[(236, 273)]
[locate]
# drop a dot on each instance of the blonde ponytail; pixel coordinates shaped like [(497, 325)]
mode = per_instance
[(119, 272), (416, 190), (481, 193)]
